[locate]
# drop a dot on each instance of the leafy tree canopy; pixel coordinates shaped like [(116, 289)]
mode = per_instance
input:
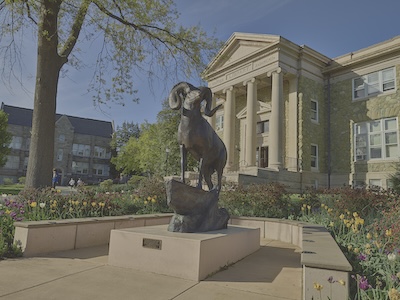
[(124, 132), (130, 36), (157, 150)]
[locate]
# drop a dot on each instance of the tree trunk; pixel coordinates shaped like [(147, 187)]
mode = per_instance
[(49, 63)]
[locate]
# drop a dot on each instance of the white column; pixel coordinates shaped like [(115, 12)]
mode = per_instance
[(275, 124), (292, 127), (211, 119), (250, 151), (229, 126)]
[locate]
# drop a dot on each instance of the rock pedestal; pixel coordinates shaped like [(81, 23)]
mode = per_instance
[(195, 210)]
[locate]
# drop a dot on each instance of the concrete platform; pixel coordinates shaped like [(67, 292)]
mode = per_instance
[(192, 256), (273, 272)]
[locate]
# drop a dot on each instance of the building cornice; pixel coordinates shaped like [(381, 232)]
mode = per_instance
[(364, 56)]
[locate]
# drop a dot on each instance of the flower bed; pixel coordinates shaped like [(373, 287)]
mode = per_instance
[(365, 224)]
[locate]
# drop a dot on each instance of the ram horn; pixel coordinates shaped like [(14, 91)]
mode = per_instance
[(207, 95), (177, 95)]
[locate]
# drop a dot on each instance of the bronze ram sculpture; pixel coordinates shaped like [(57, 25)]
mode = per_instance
[(195, 134)]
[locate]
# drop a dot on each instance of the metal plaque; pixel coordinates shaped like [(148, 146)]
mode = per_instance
[(152, 244)]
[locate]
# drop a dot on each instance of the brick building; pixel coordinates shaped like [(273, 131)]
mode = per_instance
[(81, 146), (293, 115)]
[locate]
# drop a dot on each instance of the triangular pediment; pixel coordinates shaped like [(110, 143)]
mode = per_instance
[(262, 107), (238, 47)]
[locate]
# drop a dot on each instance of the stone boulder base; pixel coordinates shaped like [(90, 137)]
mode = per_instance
[(195, 210)]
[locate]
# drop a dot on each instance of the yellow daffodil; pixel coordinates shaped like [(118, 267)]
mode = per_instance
[(8, 211), (331, 224), (349, 247), (342, 282), (355, 214), (341, 217), (369, 236), (318, 286), (367, 246), (330, 210), (388, 232), (84, 203), (145, 202), (33, 204), (93, 204), (153, 200), (394, 294), (356, 250)]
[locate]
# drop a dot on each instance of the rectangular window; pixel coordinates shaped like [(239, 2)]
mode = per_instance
[(81, 150), (27, 143), (99, 152), (262, 127), (100, 169), (375, 183), (26, 163), (79, 167), (314, 110), (12, 162), (60, 154), (219, 122), (16, 142), (374, 83), (377, 139), (314, 157)]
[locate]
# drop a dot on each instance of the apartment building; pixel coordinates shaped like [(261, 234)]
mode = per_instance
[(81, 146)]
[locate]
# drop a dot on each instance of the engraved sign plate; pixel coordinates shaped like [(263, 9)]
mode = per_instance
[(152, 244)]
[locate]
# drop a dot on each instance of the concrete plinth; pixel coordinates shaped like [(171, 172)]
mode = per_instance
[(192, 256)]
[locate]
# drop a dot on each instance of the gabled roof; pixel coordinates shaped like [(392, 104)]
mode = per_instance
[(240, 45), (23, 117)]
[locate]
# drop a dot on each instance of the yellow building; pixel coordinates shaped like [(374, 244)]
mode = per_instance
[(293, 115)]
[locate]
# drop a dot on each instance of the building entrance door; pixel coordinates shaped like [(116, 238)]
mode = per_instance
[(262, 154)]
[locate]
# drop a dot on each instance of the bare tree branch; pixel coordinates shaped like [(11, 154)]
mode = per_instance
[(75, 30), (29, 12), (143, 29)]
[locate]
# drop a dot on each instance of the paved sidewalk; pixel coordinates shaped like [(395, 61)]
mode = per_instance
[(273, 272)]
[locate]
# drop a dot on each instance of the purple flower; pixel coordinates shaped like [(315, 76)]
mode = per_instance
[(363, 283), (362, 257), (330, 279), (13, 214)]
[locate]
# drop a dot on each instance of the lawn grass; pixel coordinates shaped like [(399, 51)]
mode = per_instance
[(11, 189)]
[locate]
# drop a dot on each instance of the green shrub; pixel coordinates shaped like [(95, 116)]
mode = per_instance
[(8, 181), (106, 184), (135, 180), (22, 180), (257, 200)]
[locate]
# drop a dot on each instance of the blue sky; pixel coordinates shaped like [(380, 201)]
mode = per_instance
[(332, 28)]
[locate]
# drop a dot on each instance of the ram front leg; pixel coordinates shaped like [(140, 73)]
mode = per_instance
[(183, 162)]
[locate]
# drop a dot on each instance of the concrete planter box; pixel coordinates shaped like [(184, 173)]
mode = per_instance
[(321, 257)]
